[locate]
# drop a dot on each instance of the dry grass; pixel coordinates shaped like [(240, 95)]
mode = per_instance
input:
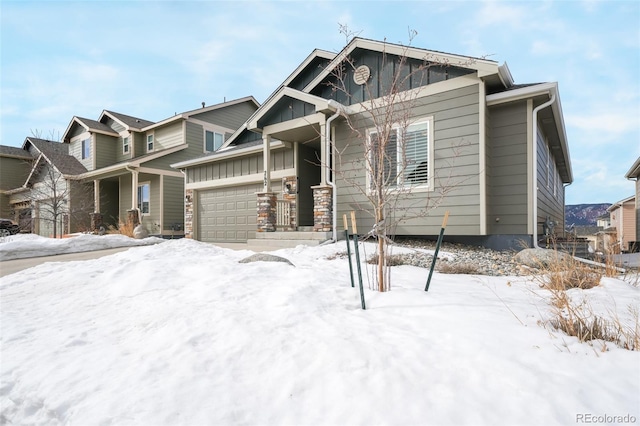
[(572, 314), (122, 229), (392, 260), (458, 268)]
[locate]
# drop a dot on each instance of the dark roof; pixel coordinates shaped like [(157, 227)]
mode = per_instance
[(131, 121), (58, 154), (13, 151), (514, 87), (95, 125)]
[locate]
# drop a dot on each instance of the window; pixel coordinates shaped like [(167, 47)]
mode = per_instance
[(86, 148), (212, 141), (125, 145), (409, 169), (149, 143), (144, 197)]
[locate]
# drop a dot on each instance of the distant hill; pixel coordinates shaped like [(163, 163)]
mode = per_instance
[(584, 214)]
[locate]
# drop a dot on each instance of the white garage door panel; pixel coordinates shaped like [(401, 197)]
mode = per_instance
[(227, 214)]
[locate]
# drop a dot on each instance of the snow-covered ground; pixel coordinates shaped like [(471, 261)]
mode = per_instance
[(180, 333)]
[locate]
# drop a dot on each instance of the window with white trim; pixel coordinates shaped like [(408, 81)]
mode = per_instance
[(406, 158), (212, 141), (125, 145), (144, 197), (150, 142), (86, 148)]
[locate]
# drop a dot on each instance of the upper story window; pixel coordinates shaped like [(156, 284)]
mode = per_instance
[(86, 148), (125, 145), (404, 160), (149, 143), (212, 141)]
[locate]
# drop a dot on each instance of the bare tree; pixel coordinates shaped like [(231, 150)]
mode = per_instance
[(59, 198), (394, 157)]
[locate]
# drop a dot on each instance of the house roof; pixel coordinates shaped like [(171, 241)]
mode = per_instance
[(89, 125), (483, 66), (127, 121), (57, 153), (185, 115), (620, 203), (634, 171), (15, 152)]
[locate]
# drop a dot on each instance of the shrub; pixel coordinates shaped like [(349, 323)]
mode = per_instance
[(458, 268)]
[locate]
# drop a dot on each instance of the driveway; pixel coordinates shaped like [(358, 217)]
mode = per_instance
[(12, 266)]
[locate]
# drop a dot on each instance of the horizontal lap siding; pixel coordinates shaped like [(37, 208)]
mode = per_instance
[(550, 205), (231, 117), (456, 154), (507, 210), (173, 202), (167, 137), (105, 150)]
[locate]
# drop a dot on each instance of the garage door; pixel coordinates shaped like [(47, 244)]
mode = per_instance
[(227, 214)]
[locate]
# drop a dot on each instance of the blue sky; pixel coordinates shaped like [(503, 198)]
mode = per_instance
[(151, 59)]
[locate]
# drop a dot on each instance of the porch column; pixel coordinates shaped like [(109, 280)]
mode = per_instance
[(324, 158), (266, 154), (134, 189), (322, 208), (96, 196)]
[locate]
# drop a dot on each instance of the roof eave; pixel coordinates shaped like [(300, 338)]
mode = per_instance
[(634, 171)]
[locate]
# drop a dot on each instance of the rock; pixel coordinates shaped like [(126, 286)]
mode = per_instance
[(264, 257), (140, 232), (541, 258)]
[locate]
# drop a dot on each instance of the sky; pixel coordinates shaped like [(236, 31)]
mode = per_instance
[(118, 340), (152, 59)]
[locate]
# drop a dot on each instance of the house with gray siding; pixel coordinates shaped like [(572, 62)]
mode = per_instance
[(492, 153), (126, 161), (43, 194)]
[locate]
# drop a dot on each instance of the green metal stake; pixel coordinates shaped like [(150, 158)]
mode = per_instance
[(346, 237), (435, 255), (357, 249)]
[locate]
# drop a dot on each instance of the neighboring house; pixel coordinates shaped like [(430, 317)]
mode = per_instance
[(122, 163), (15, 166), (634, 174), (289, 160), (128, 159), (50, 200), (623, 220)]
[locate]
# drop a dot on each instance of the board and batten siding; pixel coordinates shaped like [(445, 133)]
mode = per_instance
[(105, 151), (455, 116), (173, 203), (281, 159), (507, 201)]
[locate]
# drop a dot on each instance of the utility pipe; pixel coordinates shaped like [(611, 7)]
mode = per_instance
[(534, 134), (327, 136)]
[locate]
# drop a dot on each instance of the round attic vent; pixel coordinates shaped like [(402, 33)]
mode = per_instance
[(361, 74)]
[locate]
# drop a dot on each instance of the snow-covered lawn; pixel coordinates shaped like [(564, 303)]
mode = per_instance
[(180, 333)]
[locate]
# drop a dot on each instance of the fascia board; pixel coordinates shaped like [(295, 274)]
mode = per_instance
[(74, 120), (318, 102), (317, 53), (634, 171), (114, 118)]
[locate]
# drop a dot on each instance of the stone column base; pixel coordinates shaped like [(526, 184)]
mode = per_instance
[(96, 221), (133, 217), (322, 208), (266, 212)]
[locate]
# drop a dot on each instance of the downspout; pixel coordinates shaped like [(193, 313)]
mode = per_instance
[(534, 134), (534, 126), (334, 213)]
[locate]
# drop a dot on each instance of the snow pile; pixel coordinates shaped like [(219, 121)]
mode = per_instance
[(21, 246), (181, 333)]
